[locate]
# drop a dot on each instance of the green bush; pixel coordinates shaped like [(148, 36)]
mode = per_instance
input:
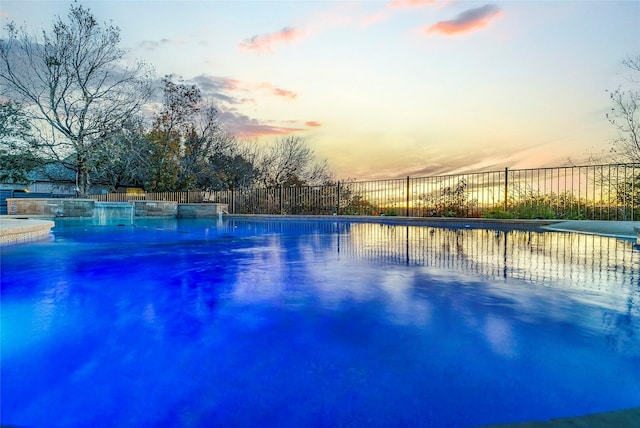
[(526, 211), (497, 213)]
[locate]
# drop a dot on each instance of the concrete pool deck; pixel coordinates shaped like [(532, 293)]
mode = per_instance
[(618, 229)]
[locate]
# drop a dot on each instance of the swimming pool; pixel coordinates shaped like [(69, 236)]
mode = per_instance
[(265, 322)]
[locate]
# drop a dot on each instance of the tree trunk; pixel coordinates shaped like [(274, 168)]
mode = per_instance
[(82, 180)]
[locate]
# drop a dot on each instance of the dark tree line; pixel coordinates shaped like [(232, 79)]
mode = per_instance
[(68, 98)]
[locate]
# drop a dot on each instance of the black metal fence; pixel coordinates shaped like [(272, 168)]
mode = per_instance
[(596, 192)]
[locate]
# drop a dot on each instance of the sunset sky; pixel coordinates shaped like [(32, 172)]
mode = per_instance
[(384, 89)]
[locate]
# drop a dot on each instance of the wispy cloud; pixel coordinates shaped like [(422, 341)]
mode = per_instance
[(278, 92), (313, 124), (243, 126), (467, 21), (445, 163), (221, 89), (408, 4), (231, 94), (151, 45), (391, 7), (284, 93), (311, 25), (375, 18), (264, 44), (228, 89)]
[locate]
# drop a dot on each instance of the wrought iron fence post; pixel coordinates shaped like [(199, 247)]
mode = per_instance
[(506, 187), (338, 204), (634, 198), (280, 197), (408, 187)]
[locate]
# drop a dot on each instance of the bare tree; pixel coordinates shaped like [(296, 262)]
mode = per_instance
[(190, 149), (76, 84), (624, 115), (291, 162)]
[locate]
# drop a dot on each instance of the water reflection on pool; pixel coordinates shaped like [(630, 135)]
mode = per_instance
[(304, 323)]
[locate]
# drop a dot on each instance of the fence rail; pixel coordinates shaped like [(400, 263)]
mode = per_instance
[(182, 197), (596, 192)]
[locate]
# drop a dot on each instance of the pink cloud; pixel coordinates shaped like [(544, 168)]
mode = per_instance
[(228, 95), (278, 92), (221, 86), (313, 24), (257, 130), (231, 84), (467, 21), (392, 6), (284, 93), (407, 4), (243, 126), (375, 18), (264, 44), (313, 124)]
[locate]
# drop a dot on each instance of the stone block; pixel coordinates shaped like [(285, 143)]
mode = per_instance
[(51, 207), (201, 210), (155, 208)]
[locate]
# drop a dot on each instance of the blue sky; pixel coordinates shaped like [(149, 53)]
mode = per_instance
[(391, 88)]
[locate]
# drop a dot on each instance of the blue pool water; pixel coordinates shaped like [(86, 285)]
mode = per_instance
[(195, 323)]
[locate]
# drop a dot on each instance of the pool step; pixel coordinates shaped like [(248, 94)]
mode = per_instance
[(14, 230)]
